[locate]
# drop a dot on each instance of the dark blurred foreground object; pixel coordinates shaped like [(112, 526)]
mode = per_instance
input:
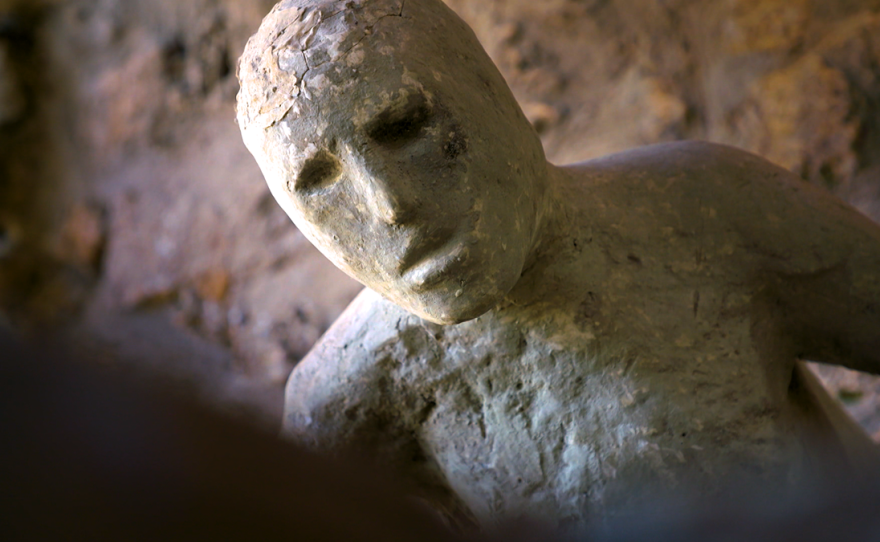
[(85, 454), (847, 511)]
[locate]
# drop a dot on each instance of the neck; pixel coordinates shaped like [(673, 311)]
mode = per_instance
[(550, 241)]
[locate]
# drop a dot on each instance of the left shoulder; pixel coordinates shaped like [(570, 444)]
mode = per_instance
[(694, 161), (800, 227), (358, 376)]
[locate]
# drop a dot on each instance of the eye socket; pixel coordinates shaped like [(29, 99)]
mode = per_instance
[(400, 124), (319, 171)]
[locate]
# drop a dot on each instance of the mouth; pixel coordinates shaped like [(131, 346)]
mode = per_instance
[(427, 263), (435, 268)]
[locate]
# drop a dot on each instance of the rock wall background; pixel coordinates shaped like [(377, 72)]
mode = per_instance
[(134, 223)]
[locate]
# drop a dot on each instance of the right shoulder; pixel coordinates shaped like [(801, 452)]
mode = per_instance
[(346, 380)]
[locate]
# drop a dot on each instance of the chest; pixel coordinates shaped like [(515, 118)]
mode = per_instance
[(520, 419)]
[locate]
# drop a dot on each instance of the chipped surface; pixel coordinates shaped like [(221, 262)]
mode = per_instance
[(295, 38)]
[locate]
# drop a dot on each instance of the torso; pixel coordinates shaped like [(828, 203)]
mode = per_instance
[(655, 362)]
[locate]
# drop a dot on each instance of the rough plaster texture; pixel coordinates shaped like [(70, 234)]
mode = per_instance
[(631, 324)]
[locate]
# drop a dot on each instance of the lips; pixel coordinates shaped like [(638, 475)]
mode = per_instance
[(435, 269), (422, 245), (428, 261)]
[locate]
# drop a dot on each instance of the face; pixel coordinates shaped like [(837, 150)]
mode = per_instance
[(421, 180)]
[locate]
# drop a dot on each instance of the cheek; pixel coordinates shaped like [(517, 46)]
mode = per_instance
[(334, 224), (340, 230)]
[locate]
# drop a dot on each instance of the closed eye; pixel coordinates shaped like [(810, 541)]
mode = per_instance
[(319, 171), (400, 124)]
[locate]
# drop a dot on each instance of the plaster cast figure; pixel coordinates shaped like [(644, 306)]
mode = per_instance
[(623, 326)]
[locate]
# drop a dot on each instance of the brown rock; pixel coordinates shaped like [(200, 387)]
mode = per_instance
[(83, 236), (756, 26), (803, 121), (149, 295), (213, 285), (541, 115), (124, 112)]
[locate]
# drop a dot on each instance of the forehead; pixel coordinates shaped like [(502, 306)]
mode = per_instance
[(325, 92), (299, 36), (359, 99), (348, 95)]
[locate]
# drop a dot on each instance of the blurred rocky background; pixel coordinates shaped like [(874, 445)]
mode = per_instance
[(134, 223)]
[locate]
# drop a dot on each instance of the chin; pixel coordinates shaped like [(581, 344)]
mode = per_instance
[(449, 310), (482, 295), (446, 319)]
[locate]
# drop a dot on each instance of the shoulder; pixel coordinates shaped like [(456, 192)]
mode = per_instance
[(793, 225), (690, 179), (691, 161), (349, 380), (691, 186)]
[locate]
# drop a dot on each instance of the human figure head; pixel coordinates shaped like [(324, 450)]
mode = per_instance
[(392, 141)]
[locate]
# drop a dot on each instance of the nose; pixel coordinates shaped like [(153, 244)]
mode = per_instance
[(393, 202), (391, 196)]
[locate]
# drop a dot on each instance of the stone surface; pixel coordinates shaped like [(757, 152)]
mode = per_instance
[(625, 325)]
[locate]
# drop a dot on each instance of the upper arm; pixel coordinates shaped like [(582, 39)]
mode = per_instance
[(835, 311), (344, 397), (340, 397), (821, 259)]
